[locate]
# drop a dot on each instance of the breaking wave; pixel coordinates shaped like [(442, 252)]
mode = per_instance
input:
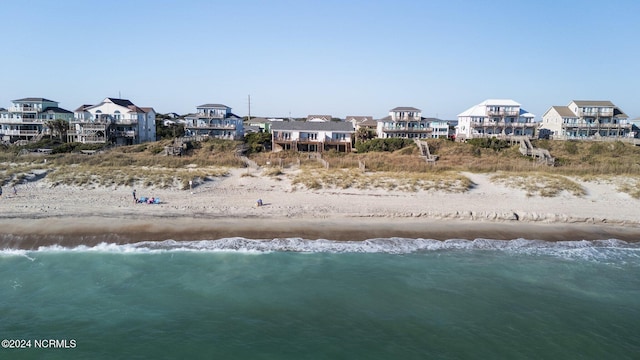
[(597, 250)]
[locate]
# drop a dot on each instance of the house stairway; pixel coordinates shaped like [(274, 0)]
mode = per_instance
[(424, 151), (527, 149)]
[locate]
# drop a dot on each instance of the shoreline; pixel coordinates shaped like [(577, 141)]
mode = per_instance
[(91, 231), (41, 214)]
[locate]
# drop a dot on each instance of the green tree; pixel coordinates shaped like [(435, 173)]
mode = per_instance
[(363, 134), (58, 127)]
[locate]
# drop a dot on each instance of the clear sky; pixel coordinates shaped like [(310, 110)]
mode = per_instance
[(335, 57)]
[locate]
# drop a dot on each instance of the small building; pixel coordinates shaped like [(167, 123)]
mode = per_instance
[(116, 121), (586, 119), (404, 122), (495, 118), (214, 121), (312, 136), (26, 118)]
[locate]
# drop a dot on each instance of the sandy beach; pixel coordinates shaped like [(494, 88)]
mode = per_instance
[(40, 214)]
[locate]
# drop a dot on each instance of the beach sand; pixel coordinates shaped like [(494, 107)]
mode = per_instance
[(43, 215)]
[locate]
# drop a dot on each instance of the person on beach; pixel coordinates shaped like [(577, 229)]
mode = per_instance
[(0, 191), (15, 191), (135, 198)]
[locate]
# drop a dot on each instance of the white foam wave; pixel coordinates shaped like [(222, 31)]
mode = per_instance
[(598, 250)]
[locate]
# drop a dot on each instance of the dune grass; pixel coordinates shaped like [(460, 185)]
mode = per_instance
[(320, 178), (539, 184), (133, 176), (626, 184)]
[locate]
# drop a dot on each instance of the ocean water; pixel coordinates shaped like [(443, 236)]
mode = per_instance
[(298, 299)]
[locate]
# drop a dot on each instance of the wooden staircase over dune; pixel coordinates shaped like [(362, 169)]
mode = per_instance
[(527, 149), (424, 151)]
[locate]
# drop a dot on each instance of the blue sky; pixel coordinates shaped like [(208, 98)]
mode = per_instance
[(341, 58)]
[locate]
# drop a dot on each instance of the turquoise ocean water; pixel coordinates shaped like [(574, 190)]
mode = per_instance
[(297, 299)]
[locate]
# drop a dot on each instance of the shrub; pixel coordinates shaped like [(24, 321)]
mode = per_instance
[(571, 147), (389, 144)]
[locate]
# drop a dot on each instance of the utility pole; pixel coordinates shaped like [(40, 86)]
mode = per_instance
[(249, 98)]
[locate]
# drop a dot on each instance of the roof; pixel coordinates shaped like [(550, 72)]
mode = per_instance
[(147, 109), (481, 109), (55, 109), (312, 126), (321, 117), (525, 113), (121, 102), (564, 111), (358, 118), (3, 109), (82, 107), (213, 106), (33, 99), (135, 109), (405, 108), (583, 103)]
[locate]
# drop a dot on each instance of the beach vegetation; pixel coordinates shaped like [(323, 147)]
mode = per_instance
[(539, 184), (170, 131), (629, 185), (315, 178), (257, 142), (388, 157), (389, 144), (489, 143)]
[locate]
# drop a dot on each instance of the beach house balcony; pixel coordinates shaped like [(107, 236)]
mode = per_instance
[(23, 108), (603, 112), (489, 123), (20, 132), (406, 128), (212, 115), (502, 112)]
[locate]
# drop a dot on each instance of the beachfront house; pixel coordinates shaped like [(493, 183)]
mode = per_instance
[(115, 121), (404, 122), (587, 120), (312, 136), (440, 128), (214, 121), (495, 118), (26, 119)]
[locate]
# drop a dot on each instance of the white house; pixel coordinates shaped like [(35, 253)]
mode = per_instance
[(26, 118), (495, 118), (586, 119), (313, 136), (404, 122), (440, 128), (113, 120), (216, 121)]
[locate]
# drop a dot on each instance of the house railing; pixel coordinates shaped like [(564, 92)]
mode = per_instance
[(601, 112), (503, 123), (406, 128), (502, 112), (211, 126)]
